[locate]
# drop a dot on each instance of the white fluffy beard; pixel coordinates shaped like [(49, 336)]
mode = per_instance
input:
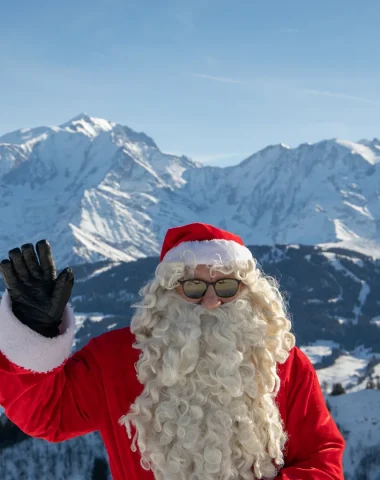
[(207, 411)]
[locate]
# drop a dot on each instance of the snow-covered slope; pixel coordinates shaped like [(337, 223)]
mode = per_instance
[(357, 413), (88, 186), (99, 190)]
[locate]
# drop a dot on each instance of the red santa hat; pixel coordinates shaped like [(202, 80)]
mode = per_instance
[(199, 243)]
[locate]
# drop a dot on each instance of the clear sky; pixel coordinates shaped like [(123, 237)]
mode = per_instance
[(213, 79)]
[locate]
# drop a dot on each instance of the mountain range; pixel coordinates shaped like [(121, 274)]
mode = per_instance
[(100, 191)]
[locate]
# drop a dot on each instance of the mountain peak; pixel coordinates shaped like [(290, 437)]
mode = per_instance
[(90, 126), (81, 117), (18, 137), (273, 151)]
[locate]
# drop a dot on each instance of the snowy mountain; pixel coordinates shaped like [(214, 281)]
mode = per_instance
[(89, 186), (98, 190)]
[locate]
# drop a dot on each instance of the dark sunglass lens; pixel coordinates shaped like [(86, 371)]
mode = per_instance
[(227, 287), (194, 288)]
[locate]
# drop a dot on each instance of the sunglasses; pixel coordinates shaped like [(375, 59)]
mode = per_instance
[(196, 289)]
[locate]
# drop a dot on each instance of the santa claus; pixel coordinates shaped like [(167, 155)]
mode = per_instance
[(206, 384)]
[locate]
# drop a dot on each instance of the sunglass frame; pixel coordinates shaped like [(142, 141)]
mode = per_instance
[(207, 284)]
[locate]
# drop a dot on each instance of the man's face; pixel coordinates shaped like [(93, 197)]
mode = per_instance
[(210, 300)]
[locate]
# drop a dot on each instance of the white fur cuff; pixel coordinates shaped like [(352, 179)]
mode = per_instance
[(28, 349), (207, 252)]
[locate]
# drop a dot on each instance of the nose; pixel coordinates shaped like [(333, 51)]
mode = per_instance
[(210, 299)]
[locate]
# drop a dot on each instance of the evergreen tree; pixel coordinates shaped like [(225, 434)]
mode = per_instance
[(338, 389), (370, 384)]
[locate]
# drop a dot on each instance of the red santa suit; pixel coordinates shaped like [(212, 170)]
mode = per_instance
[(52, 395)]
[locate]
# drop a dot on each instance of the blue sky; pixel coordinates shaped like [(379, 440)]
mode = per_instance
[(213, 79)]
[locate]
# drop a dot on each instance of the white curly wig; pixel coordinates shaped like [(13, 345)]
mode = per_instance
[(208, 410)]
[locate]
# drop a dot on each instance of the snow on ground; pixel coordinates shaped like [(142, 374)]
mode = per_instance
[(362, 385), (347, 369), (95, 317), (319, 349), (364, 291), (358, 417), (97, 272), (367, 247), (357, 413)]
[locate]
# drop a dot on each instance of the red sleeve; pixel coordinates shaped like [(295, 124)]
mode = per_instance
[(43, 390), (56, 405), (315, 447)]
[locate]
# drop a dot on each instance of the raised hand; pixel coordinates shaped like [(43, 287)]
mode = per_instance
[(38, 296)]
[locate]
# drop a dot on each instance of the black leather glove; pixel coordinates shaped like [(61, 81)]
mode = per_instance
[(38, 296)]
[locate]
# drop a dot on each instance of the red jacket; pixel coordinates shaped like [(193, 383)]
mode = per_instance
[(51, 396)]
